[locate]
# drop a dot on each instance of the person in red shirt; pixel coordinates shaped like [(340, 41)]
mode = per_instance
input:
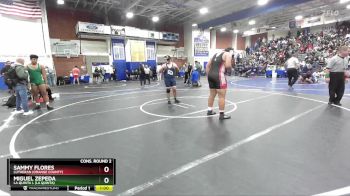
[(76, 74)]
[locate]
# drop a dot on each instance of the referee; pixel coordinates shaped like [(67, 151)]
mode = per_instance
[(336, 68), (292, 65)]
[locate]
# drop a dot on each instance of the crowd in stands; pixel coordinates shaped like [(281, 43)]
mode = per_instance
[(313, 51)]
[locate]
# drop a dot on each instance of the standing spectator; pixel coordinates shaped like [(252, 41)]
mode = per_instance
[(96, 75), (21, 88), (147, 74), (142, 74), (292, 70), (50, 76), (6, 67), (114, 74), (76, 75), (199, 68), (186, 72), (154, 73), (336, 68), (103, 74), (127, 74), (159, 73), (4, 71), (247, 50)]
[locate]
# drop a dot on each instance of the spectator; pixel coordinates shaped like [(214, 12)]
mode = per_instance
[(96, 75), (199, 68), (159, 73), (127, 74), (21, 88), (50, 76), (247, 50), (142, 74), (76, 75), (154, 73), (147, 74), (114, 74), (4, 70), (103, 74)]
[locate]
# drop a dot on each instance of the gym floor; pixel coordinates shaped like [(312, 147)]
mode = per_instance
[(278, 142)]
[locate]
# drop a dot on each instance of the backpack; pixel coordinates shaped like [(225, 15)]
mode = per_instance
[(11, 102), (11, 77)]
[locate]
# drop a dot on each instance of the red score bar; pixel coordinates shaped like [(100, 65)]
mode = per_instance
[(103, 169), (98, 170)]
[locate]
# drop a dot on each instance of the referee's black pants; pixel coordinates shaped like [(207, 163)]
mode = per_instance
[(336, 87), (292, 76)]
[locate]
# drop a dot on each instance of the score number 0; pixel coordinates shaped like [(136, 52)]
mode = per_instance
[(106, 170)]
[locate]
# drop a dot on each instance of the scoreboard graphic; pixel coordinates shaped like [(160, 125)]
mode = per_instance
[(86, 174)]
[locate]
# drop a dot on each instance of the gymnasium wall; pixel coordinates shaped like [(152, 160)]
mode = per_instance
[(88, 47), (64, 66), (62, 22), (15, 33), (277, 34), (21, 37), (223, 39), (314, 29), (226, 39), (145, 23), (240, 42)]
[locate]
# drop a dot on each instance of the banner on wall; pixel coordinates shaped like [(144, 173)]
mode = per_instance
[(313, 21), (137, 50), (99, 63), (118, 51), (84, 27), (201, 43), (151, 52), (118, 30), (292, 24), (153, 35), (296, 24), (136, 32)]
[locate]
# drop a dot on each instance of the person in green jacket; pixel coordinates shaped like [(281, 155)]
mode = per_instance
[(38, 81), (21, 82)]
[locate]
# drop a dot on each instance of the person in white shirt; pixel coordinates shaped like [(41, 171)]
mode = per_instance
[(292, 65), (147, 73), (336, 75), (159, 72)]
